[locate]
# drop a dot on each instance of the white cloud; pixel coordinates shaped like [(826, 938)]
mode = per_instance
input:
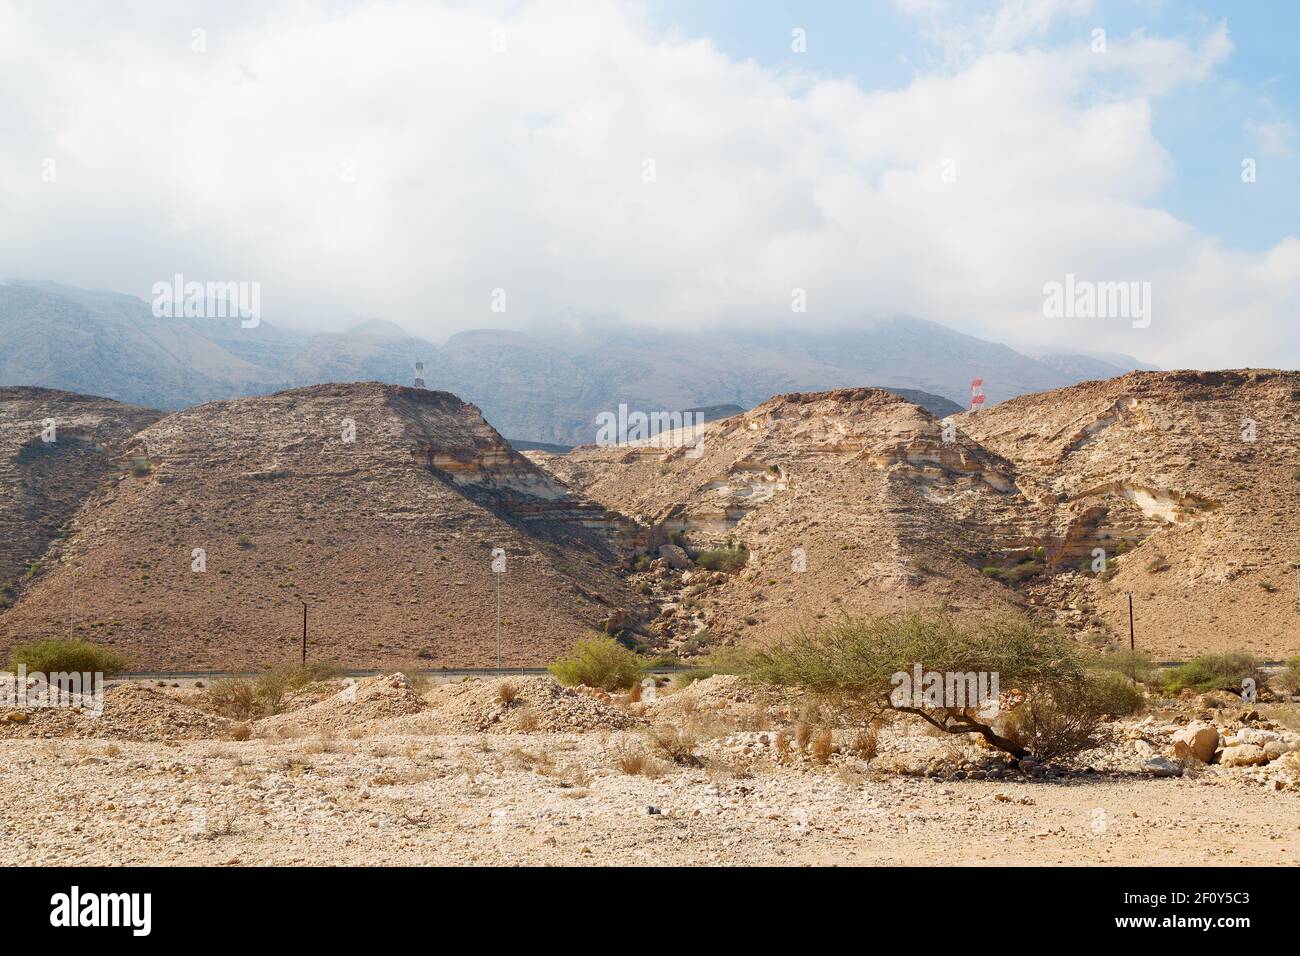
[(523, 170), (1272, 139)]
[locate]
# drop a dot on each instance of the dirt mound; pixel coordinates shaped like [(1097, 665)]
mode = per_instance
[(518, 705), (374, 698), (722, 694), (131, 712)]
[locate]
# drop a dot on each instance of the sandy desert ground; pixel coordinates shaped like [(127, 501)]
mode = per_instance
[(380, 773)]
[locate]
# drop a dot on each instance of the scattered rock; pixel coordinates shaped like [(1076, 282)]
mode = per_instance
[(1159, 766), (676, 557), (1243, 755)]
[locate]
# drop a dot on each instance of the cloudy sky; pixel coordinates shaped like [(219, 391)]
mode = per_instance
[(680, 164)]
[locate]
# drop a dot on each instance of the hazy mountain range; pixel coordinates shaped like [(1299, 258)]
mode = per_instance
[(539, 386)]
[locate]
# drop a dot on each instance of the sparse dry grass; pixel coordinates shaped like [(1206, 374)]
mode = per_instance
[(677, 743), (802, 735), (822, 746), (631, 761), (865, 744)]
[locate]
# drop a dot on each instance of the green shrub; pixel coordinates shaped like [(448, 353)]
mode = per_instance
[(64, 656), (1025, 568), (1068, 719), (1212, 672), (599, 662), (853, 665), (277, 684), (723, 559)]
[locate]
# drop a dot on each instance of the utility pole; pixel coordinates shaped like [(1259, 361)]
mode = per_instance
[(304, 633), (1132, 643), (72, 600), (498, 569)]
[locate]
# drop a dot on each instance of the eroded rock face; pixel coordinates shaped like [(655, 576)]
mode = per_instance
[(57, 449), (1177, 487), (1182, 483), (851, 499), (379, 506)]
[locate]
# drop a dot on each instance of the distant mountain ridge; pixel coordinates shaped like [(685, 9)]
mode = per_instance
[(545, 386)]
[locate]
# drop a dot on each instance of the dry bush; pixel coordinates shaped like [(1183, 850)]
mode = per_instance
[(848, 777), (112, 750), (752, 717), (520, 757), (241, 731), (229, 697), (822, 746), (507, 693), (217, 825), (631, 761), (1288, 681), (544, 761), (1069, 720), (420, 682), (865, 744), (802, 734), (677, 744), (781, 744), (574, 775)]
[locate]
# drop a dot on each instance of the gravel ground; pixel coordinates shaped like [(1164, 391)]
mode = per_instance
[(558, 799), (526, 772)]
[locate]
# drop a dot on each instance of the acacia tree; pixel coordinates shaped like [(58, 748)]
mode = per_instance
[(855, 664)]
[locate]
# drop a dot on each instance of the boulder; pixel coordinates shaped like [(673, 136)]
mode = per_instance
[(1197, 742), (1243, 755), (676, 557), (1163, 767)]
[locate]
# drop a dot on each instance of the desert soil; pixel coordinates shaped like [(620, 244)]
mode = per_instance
[(381, 774)]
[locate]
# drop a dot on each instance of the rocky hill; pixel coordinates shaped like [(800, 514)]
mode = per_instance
[(379, 506), (1190, 484), (192, 540), (1179, 487), (843, 501), (57, 450)]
